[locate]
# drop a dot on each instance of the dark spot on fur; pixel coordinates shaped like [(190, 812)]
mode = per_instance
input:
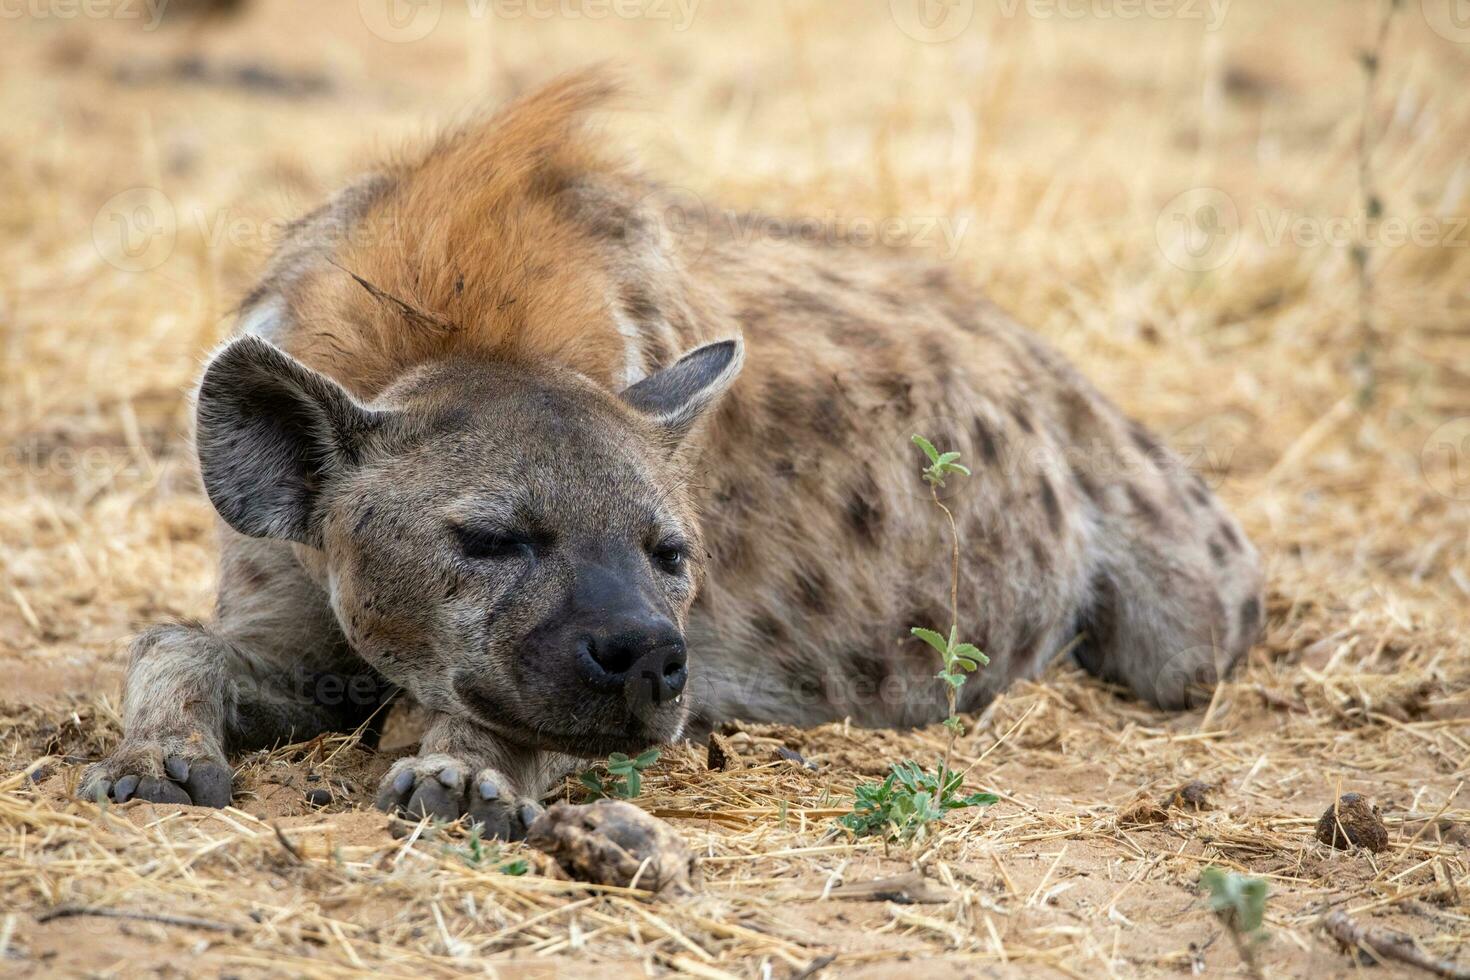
[(832, 278), (1022, 419), (1040, 556), (1217, 551), (1052, 505), (1086, 484), (1145, 442), (985, 441), (805, 301), (897, 390), (1144, 507), (814, 591), (363, 519), (1250, 618), (770, 629), (1230, 535), (864, 515), (1199, 493), (640, 305), (785, 469)]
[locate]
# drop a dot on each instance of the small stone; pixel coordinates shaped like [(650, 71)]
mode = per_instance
[(1193, 795), (320, 796), (1353, 822)]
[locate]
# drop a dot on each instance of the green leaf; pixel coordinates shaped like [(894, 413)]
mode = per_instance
[(646, 759), (617, 759), (590, 780), (957, 468), (932, 638), (928, 448), (632, 786), (945, 459), (517, 867)]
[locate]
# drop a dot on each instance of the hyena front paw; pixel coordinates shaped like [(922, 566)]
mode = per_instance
[(445, 787), (163, 771)]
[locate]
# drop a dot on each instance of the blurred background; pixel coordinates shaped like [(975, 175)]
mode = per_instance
[(1246, 220), (1180, 194)]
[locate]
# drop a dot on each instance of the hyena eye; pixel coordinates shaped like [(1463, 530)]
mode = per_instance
[(670, 556), (480, 545)]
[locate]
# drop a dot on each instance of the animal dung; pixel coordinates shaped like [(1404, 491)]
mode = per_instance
[(610, 842), (1353, 821)]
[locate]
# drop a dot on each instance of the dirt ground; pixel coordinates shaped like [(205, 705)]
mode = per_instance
[(1174, 197)]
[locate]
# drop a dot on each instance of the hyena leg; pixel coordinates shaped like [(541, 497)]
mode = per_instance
[(1176, 600), (192, 696), (463, 769)]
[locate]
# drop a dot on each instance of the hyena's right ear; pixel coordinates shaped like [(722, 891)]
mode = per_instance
[(271, 434)]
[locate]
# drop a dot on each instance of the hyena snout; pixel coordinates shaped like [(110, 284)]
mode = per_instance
[(640, 655)]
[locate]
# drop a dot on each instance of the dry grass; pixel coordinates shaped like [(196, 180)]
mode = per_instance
[(1062, 140)]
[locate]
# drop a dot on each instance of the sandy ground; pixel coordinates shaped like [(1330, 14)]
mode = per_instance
[(1175, 199)]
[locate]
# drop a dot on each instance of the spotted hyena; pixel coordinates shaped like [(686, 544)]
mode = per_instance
[(495, 434)]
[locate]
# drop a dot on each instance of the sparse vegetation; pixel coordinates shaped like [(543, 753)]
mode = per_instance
[(1239, 901), (621, 777), (480, 854), (909, 800)]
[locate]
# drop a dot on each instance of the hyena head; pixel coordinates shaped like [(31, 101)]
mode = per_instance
[(508, 542)]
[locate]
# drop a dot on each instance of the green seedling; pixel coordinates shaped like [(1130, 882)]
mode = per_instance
[(623, 777)]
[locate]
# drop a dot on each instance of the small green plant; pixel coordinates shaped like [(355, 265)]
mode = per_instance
[(910, 799), (958, 658), (478, 854), (1239, 901), (623, 777), (905, 803)]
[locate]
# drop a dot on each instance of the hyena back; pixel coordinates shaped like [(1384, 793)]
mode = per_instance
[(497, 433)]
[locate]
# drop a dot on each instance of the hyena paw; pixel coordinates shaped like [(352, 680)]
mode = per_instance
[(170, 770), (447, 788)]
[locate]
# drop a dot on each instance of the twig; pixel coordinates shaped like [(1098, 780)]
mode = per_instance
[(1384, 945), (72, 911)]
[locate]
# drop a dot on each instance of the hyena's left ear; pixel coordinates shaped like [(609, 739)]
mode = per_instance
[(679, 395)]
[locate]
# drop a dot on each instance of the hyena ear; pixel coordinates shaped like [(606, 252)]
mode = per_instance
[(681, 393), (271, 434)]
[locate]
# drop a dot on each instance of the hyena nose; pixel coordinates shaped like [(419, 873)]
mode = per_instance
[(647, 661)]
